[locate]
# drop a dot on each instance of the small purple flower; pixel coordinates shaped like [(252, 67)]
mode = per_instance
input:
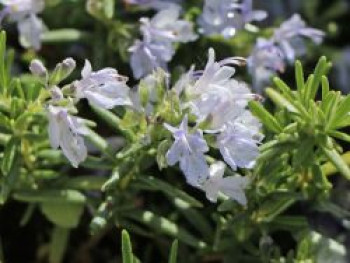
[(104, 88), (232, 186), (188, 149), (147, 56), (166, 26), (225, 17), (238, 142), (65, 131), (30, 26), (289, 36), (266, 60)]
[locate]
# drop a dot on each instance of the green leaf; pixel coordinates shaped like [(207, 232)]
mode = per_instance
[(170, 190), (283, 87), (173, 252), (280, 101), (195, 218), (274, 206), (112, 121), (3, 70), (265, 117), (10, 180), (65, 35), (304, 154), (66, 215), (126, 248), (163, 147), (325, 87), (338, 162), (10, 154), (58, 244), (109, 8), (50, 196), (165, 226), (299, 77)]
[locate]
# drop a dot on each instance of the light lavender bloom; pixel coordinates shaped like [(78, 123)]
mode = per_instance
[(65, 131), (289, 36), (188, 149), (38, 69), (215, 95), (24, 12), (232, 186), (166, 26), (270, 56), (147, 56), (238, 142), (159, 34), (104, 88), (265, 61), (225, 17)]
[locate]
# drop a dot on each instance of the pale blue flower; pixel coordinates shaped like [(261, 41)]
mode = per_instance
[(215, 96), (146, 56), (166, 26), (104, 88), (30, 26), (65, 131), (290, 37), (188, 149), (232, 186), (159, 36), (270, 56), (225, 17), (265, 61), (238, 142)]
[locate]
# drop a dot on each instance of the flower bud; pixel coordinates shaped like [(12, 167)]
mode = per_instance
[(38, 69), (62, 71)]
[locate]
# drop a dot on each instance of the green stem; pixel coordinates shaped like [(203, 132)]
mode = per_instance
[(58, 244), (329, 169)]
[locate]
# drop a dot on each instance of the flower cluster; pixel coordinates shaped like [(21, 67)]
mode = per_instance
[(104, 88), (159, 35), (271, 55), (25, 13), (225, 17), (218, 104)]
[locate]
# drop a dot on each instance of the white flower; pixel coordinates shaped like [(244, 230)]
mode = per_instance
[(266, 60), (24, 12), (65, 132), (225, 17), (216, 97), (289, 36), (166, 26), (148, 56), (232, 186), (104, 88), (30, 31), (238, 142), (19, 9), (188, 149)]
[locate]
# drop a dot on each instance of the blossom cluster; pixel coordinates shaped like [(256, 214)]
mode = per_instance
[(212, 104), (104, 88), (160, 34), (270, 56), (218, 104), (25, 14)]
